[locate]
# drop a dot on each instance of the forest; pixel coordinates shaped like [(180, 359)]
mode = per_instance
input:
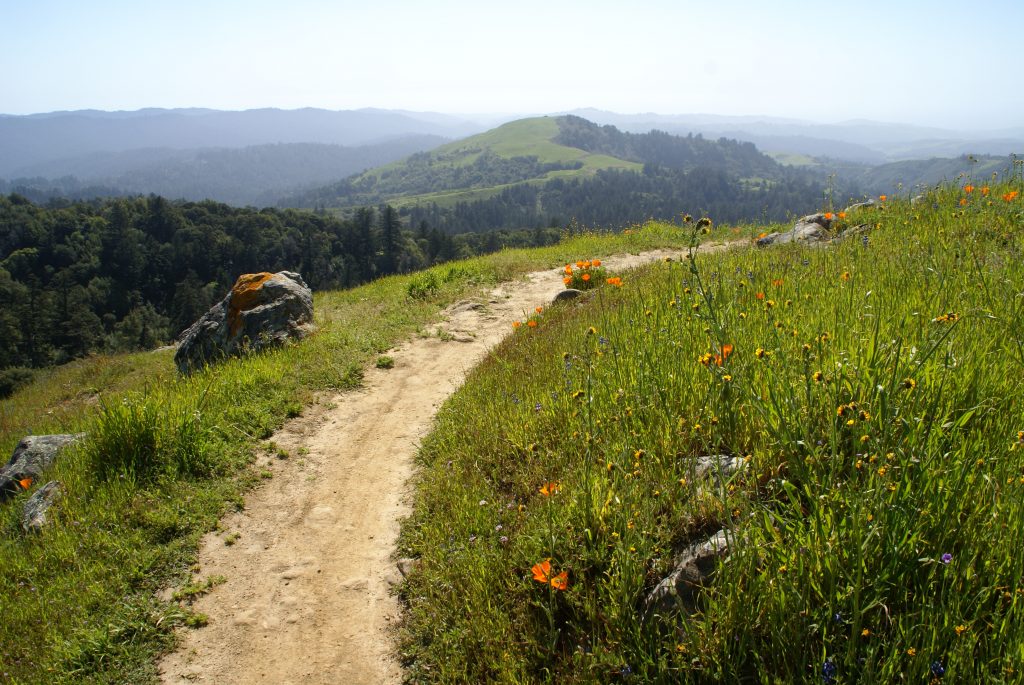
[(123, 274)]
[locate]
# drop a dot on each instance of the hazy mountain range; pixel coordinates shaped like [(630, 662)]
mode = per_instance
[(260, 156)]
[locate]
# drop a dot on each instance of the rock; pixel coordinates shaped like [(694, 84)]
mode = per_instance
[(694, 567), (262, 311), (813, 228), (567, 295), (721, 467), (33, 515), (33, 455), (406, 566), (464, 307), (861, 205)]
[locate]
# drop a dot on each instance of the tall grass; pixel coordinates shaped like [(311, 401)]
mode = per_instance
[(873, 390), (165, 456)]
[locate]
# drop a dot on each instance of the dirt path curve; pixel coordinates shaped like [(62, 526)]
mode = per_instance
[(307, 595)]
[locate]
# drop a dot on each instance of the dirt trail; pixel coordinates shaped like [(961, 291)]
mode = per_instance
[(307, 597)]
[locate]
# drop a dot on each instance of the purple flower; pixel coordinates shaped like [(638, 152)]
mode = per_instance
[(946, 558), (828, 671), (938, 670)]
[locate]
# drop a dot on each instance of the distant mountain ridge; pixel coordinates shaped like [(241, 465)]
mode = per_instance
[(26, 141)]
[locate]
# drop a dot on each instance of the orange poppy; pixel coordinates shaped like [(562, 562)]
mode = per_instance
[(567, 280), (516, 324), (596, 263), (759, 296), (579, 263), (963, 201), (561, 581), (586, 277), (531, 323), (568, 269), (540, 309), (550, 488), (883, 198), (828, 216), (968, 189), (25, 483), (1011, 196), (842, 215), (542, 571), (777, 282), (985, 191), (726, 351)]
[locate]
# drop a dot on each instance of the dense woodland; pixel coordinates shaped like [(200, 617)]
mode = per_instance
[(125, 274), (615, 198)]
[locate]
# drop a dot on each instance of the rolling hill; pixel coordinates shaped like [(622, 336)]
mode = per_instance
[(534, 171)]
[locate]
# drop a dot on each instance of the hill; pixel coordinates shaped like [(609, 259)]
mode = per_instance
[(534, 171), (257, 175)]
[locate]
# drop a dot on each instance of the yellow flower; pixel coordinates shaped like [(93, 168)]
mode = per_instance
[(960, 629)]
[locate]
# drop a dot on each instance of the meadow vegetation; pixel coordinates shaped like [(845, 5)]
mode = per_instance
[(872, 389), (165, 456)]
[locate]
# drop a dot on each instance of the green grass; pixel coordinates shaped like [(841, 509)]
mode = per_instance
[(166, 456), (874, 392)]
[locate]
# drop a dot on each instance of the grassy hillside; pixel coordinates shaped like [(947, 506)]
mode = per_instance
[(165, 456), (871, 394)]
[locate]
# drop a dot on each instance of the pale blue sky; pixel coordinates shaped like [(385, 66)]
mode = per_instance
[(953, 64)]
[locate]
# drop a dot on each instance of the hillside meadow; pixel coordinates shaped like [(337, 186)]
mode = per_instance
[(166, 455), (871, 394)]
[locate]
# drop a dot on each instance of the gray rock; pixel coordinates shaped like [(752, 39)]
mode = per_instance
[(861, 205), (262, 310), (567, 295), (694, 567), (465, 306), (804, 232), (407, 566), (721, 467), (33, 515), (33, 455)]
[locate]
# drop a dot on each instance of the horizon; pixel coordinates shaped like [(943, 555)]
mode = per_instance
[(917, 64)]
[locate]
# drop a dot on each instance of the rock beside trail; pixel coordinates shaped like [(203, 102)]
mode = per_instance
[(721, 467), (34, 514), (262, 310), (33, 455), (567, 295), (814, 228), (693, 569)]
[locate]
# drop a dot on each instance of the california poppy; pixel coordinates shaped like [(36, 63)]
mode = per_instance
[(883, 198), (968, 188), (542, 571), (25, 483), (531, 323), (726, 351), (596, 263), (586, 277), (550, 488), (759, 296), (561, 581), (828, 216), (777, 282)]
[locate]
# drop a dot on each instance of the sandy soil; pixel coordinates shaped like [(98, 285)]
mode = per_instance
[(307, 597)]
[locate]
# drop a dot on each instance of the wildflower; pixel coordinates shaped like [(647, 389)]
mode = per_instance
[(550, 488), (842, 215), (540, 309), (818, 376), (985, 190), (568, 269), (828, 671), (760, 353), (968, 189), (947, 558), (828, 216), (616, 281), (687, 219), (911, 651), (938, 670), (864, 416), (517, 324), (759, 296), (727, 378), (704, 222), (883, 198), (1011, 196), (777, 282), (579, 264), (706, 358), (845, 276), (531, 323), (585, 277), (960, 629), (909, 384), (596, 263), (760, 235), (591, 331), (865, 633), (561, 581), (567, 280), (963, 202), (726, 351)]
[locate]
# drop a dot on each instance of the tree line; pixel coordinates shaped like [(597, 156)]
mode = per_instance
[(132, 273)]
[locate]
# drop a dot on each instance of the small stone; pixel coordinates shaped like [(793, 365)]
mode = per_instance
[(567, 295), (33, 515)]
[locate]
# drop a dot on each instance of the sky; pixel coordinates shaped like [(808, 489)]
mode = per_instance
[(936, 62)]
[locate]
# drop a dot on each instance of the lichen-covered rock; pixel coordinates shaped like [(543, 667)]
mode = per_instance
[(721, 467), (262, 310), (693, 569), (813, 228), (33, 455), (33, 515)]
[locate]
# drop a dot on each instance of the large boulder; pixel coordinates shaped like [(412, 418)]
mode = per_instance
[(262, 310), (33, 455)]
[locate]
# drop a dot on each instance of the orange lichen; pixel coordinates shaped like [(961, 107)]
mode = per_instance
[(244, 296)]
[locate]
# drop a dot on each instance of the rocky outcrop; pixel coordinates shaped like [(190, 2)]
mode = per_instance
[(693, 569), (262, 310), (814, 228), (34, 514), (33, 455)]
